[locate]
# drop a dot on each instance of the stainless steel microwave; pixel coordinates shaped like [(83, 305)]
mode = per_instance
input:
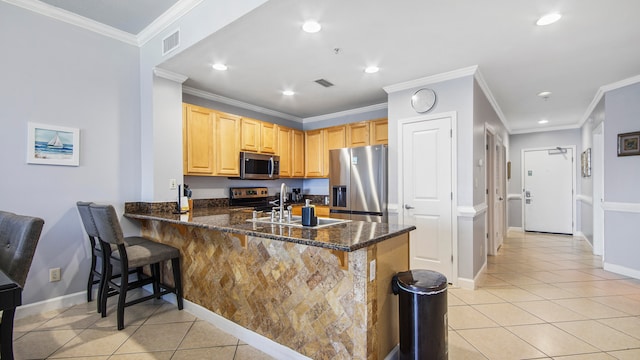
[(259, 166)]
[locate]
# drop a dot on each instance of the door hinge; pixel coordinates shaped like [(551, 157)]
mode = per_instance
[(487, 235), (487, 146), (486, 191), (451, 133), (452, 196), (452, 258)]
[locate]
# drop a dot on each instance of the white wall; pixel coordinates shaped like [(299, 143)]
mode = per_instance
[(58, 74)]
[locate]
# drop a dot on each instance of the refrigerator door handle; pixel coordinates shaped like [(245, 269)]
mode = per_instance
[(408, 207)]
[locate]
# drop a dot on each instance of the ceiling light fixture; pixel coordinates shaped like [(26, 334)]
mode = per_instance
[(288, 93), (548, 19), (219, 66), (544, 94), (311, 26), (371, 69), (543, 121)]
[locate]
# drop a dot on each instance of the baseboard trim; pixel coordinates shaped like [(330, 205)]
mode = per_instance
[(467, 284), (56, 303), (622, 270), (515, 229)]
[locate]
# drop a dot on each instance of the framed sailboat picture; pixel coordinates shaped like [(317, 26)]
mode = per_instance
[(53, 145)]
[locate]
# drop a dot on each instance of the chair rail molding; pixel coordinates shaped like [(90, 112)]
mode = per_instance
[(514, 196), (621, 207), (585, 199), (472, 211)]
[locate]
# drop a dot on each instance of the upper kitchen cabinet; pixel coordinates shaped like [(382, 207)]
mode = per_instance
[(285, 141), (198, 138), (268, 137), (258, 136), (358, 134), (378, 130), (336, 137), (298, 154), (227, 144), (315, 145), (250, 135)]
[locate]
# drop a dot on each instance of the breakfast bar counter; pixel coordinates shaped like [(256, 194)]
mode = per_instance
[(323, 292)]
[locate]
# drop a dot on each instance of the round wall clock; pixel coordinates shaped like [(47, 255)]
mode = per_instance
[(423, 100)]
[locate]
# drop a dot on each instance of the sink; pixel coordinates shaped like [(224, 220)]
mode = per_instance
[(296, 221)]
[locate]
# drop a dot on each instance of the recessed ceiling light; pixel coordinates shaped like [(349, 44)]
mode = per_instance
[(543, 121), (372, 69), (288, 93), (311, 26), (548, 19), (544, 94), (219, 66)]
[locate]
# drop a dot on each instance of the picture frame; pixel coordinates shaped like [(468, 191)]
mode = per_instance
[(586, 163), (629, 144), (53, 145)]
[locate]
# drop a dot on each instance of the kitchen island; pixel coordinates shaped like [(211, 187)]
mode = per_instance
[(325, 292)]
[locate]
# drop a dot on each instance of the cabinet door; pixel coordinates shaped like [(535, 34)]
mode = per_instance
[(284, 151), (198, 137), (297, 153), (268, 138), (336, 139), (358, 134), (250, 137), (315, 149), (379, 132), (227, 149)]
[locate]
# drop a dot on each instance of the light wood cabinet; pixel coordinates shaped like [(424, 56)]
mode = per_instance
[(227, 149), (268, 137), (315, 153), (285, 141), (298, 153), (250, 135), (321, 210), (379, 132), (358, 134), (198, 139)]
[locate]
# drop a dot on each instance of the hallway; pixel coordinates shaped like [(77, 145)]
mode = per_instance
[(546, 297)]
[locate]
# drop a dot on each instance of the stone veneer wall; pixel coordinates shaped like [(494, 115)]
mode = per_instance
[(294, 294)]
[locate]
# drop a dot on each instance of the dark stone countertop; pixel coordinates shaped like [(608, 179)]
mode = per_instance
[(348, 236)]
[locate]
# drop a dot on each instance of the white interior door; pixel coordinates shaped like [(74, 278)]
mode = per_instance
[(426, 192), (548, 190), (500, 195), (597, 172)]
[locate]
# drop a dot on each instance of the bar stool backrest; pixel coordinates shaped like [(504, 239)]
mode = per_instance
[(87, 219), (107, 223), (19, 237)]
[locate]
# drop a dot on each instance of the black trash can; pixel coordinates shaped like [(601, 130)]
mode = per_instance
[(423, 314)]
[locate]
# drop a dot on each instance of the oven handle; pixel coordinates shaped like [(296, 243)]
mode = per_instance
[(271, 167)]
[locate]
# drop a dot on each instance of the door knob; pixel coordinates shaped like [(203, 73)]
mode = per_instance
[(408, 207), (500, 198)]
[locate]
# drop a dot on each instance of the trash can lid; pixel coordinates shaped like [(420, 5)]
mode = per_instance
[(422, 281)]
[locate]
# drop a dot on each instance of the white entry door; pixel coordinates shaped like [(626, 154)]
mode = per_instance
[(426, 192), (548, 190)]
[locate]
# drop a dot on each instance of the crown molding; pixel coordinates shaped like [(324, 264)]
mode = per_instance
[(169, 75), (75, 19), (537, 130), (225, 100), (600, 93), (492, 100), (174, 13), (345, 113), (455, 74)]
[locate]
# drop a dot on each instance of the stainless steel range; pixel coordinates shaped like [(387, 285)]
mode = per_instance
[(254, 197)]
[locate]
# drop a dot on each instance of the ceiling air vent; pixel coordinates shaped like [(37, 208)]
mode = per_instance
[(324, 83), (171, 42)]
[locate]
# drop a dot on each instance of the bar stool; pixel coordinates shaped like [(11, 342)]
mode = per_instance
[(144, 253), (19, 236), (95, 274)]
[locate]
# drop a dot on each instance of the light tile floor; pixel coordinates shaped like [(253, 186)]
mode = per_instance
[(542, 297)]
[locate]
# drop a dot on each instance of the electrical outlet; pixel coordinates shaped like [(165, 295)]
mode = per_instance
[(173, 184), (54, 274), (372, 270)]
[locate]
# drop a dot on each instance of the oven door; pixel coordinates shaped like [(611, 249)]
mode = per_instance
[(259, 166)]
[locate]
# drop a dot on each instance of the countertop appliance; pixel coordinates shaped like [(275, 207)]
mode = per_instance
[(253, 197), (358, 183), (259, 166)]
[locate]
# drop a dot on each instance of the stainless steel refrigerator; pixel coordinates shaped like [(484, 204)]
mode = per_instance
[(358, 183)]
